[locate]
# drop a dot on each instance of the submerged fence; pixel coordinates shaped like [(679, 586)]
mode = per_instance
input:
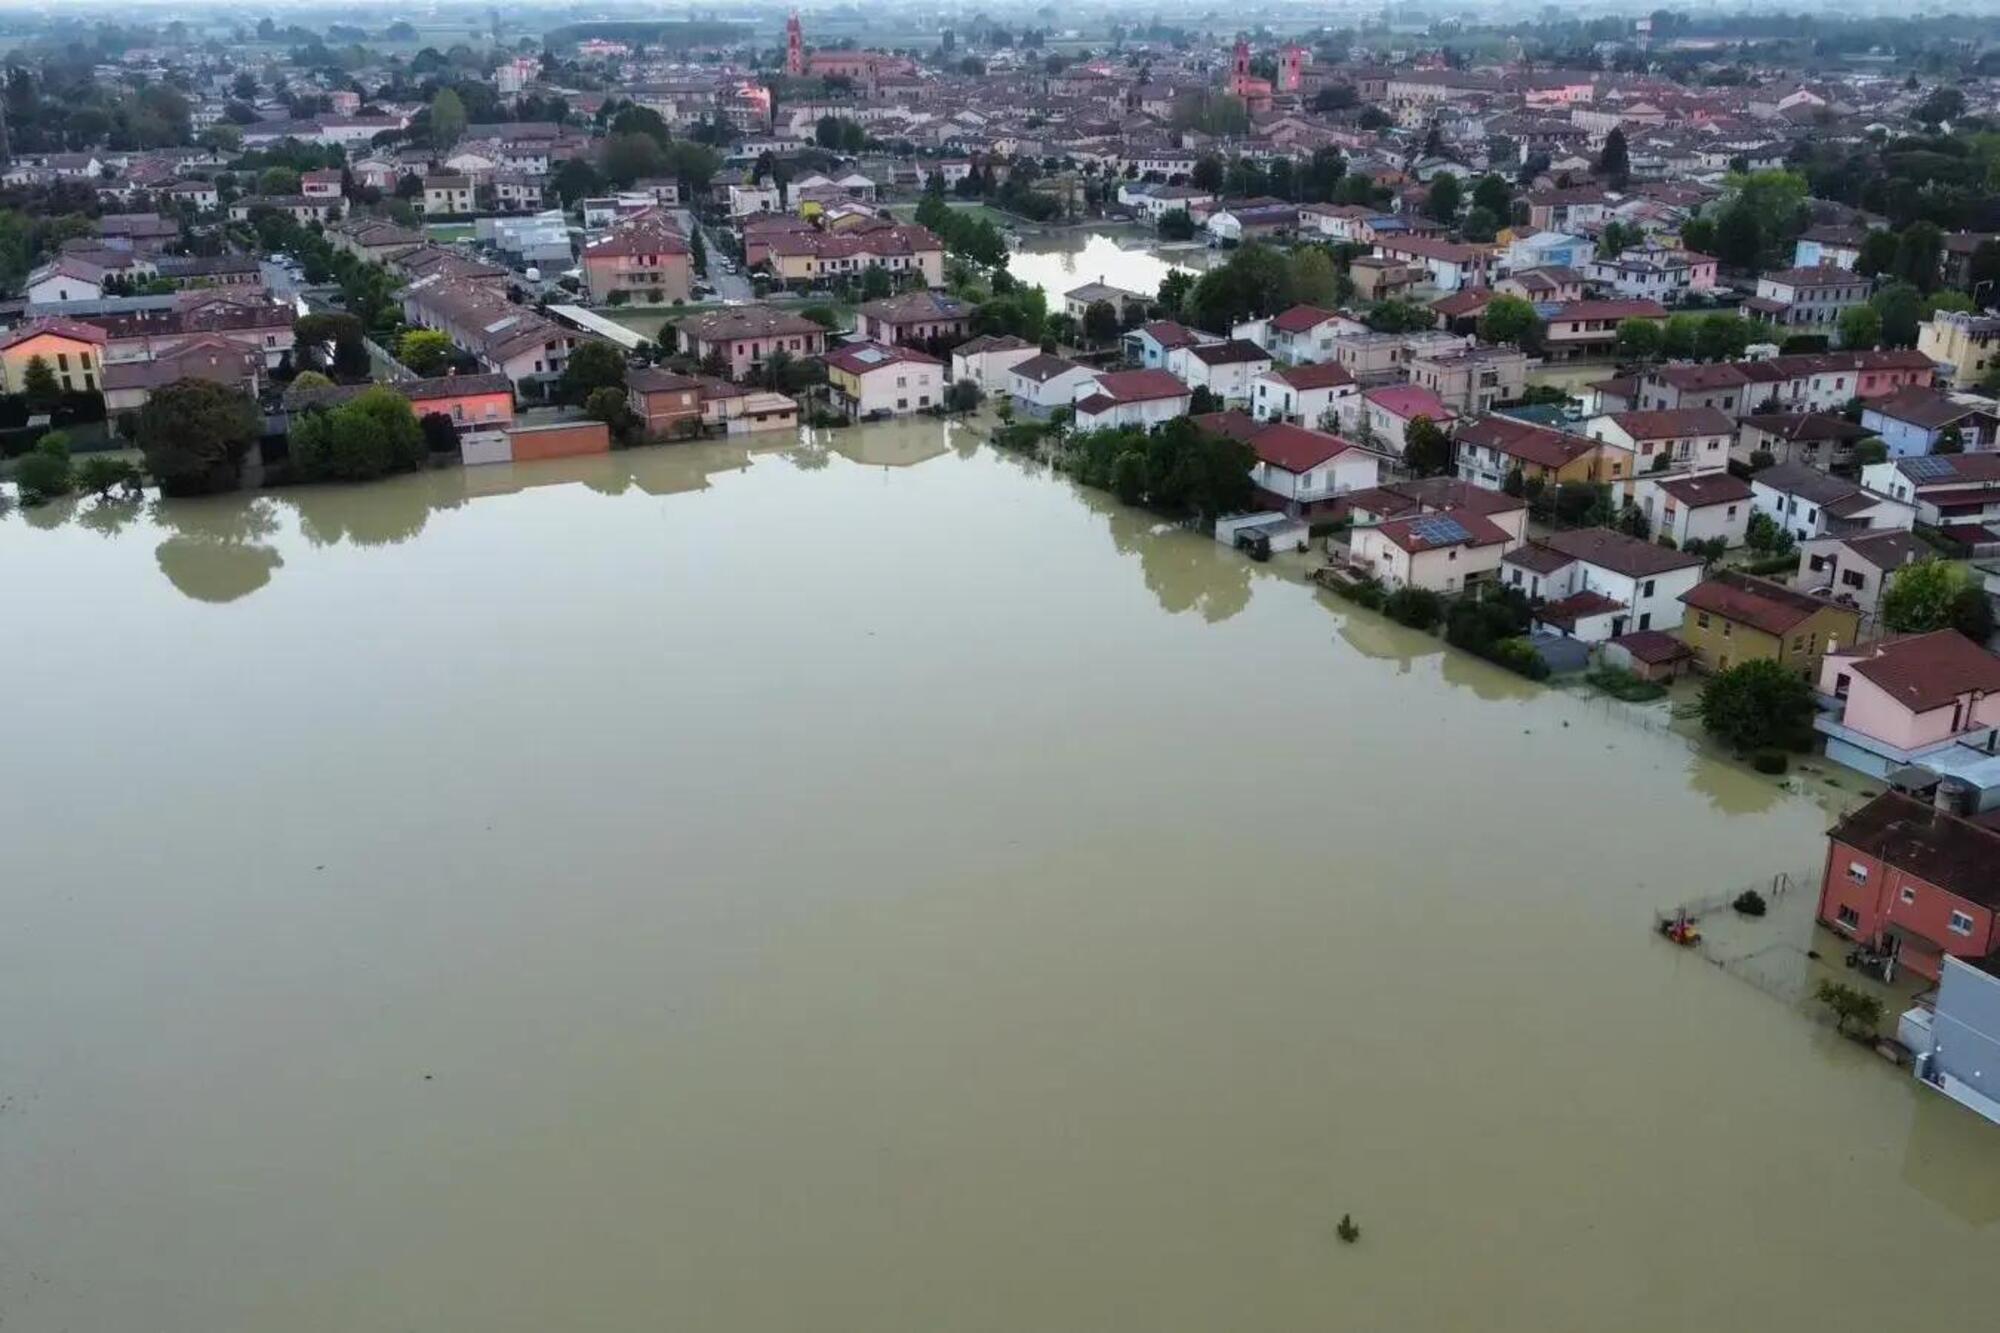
[(1772, 952)]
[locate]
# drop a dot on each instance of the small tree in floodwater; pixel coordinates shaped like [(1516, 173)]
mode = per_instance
[(1855, 1012)]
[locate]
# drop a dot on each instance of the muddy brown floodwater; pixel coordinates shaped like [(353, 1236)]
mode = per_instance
[(872, 885)]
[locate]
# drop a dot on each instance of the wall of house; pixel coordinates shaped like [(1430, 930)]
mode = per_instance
[(1381, 557), (1874, 712), (1966, 1027), (1875, 893), (565, 441), (1719, 643)]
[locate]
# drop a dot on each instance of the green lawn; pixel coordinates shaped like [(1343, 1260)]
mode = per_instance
[(449, 231), (905, 212)]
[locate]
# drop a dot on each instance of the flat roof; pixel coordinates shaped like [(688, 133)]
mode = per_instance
[(609, 329)]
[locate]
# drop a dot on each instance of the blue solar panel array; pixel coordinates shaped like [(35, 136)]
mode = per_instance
[(1929, 467), (1439, 530)]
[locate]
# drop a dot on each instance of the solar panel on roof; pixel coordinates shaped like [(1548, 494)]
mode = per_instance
[(1928, 467), (1439, 530)]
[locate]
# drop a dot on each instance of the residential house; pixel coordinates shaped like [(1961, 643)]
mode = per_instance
[(1226, 369), (1448, 265), (642, 258), (72, 350), (1130, 398), (1949, 491), (1491, 448), (1381, 417), (987, 359), (1685, 439), (1543, 249), (666, 403), (920, 318), (1445, 552), (1594, 584), (1855, 570), (448, 193), (1568, 208), (1436, 495), (1582, 330), (1078, 300), (1543, 286), (1810, 504), (1471, 380), (1914, 882), (479, 319), (1733, 618), (741, 338), (1694, 507), (1151, 344), (1810, 299), (65, 279), (1920, 420), (1956, 1037), (1839, 247), (870, 379), (1041, 383), (806, 258), (1300, 472), (1921, 700), (127, 385), (1658, 275), (1963, 343), (1821, 440), (479, 407), (1302, 335), (1232, 222), (1306, 395)]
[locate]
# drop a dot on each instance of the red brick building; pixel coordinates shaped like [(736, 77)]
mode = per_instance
[(1913, 881)]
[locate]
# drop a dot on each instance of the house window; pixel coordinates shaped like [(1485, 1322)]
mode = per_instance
[(1848, 918), (1649, 587), (1701, 619), (1961, 924), (1857, 871), (1726, 628), (1908, 894)]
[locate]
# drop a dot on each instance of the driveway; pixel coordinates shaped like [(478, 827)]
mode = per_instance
[(728, 286)]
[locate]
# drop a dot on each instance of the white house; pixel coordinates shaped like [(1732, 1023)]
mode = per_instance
[(1690, 439), (1808, 503), (1443, 552), (1130, 398), (1594, 584), (1306, 395), (1301, 334), (987, 359), (756, 197), (1225, 369), (1041, 383), (870, 379), (1151, 344), (1688, 507), (1941, 489)]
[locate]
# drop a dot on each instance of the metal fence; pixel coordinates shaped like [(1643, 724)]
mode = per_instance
[(1772, 952)]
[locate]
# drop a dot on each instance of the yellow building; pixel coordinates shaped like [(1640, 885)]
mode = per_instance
[(74, 353), (1968, 343), (1734, 618)]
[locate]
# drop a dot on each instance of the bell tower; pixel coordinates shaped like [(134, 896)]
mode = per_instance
[(795, 47)]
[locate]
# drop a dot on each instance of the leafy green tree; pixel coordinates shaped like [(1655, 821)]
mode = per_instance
[(1493, 194), (962, 396), (1427, 450), (1444, 198), (1860, 328), (1756, 705), (1256, 280), (1850, 1006), (1100, 322), (371, 435), (1722, 337), (1176, 225), (447, 118), (593, 365), (1614, 164), (1315, 279), (1639, 339), (44, 473), (1900, 307), (194, 434), (1918, 252), (1677, 339), (1921, 596), (100, 474), (608, 405), (1739, 237), (632, 157), (426, 351), (1510, 320), (38, 384), (573, 180), (1878, 253)]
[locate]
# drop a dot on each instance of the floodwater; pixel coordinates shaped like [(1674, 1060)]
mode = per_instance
[(1128, 257), (872, 885)]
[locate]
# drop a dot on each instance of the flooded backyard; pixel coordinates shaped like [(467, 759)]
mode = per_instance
[(870, 884)]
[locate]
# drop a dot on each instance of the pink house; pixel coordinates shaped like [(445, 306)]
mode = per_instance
[(1381, 416), (1913, 882), (1933, 698)]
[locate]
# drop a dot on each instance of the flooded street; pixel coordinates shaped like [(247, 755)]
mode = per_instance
[(1128, 257), (877, 887)]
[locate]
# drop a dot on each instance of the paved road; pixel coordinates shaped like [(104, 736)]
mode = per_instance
[(728, 286)]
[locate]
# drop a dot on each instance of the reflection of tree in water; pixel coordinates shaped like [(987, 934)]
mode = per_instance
[(1484, 679), (109, 517), (1383, 639), (217, 552), (1183, 571), (48, 517), (380, 513), (809, 454)]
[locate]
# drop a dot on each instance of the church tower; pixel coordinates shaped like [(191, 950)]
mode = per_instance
[(1242, 65), (795, 47), (1291, 67)]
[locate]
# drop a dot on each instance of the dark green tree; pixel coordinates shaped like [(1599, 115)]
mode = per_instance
[(194, 434), (1757, 705)]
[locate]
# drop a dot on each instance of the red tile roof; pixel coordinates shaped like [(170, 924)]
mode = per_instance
[(1138, 386), (1758, 603), (1926, 671)]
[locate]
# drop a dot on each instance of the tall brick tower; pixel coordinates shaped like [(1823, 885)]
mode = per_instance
[(795, 47), (1291, 64), (1242, 74)]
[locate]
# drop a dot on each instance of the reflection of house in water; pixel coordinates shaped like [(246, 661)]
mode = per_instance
[(1383, 639), (889, 444), (1949, 1159)]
